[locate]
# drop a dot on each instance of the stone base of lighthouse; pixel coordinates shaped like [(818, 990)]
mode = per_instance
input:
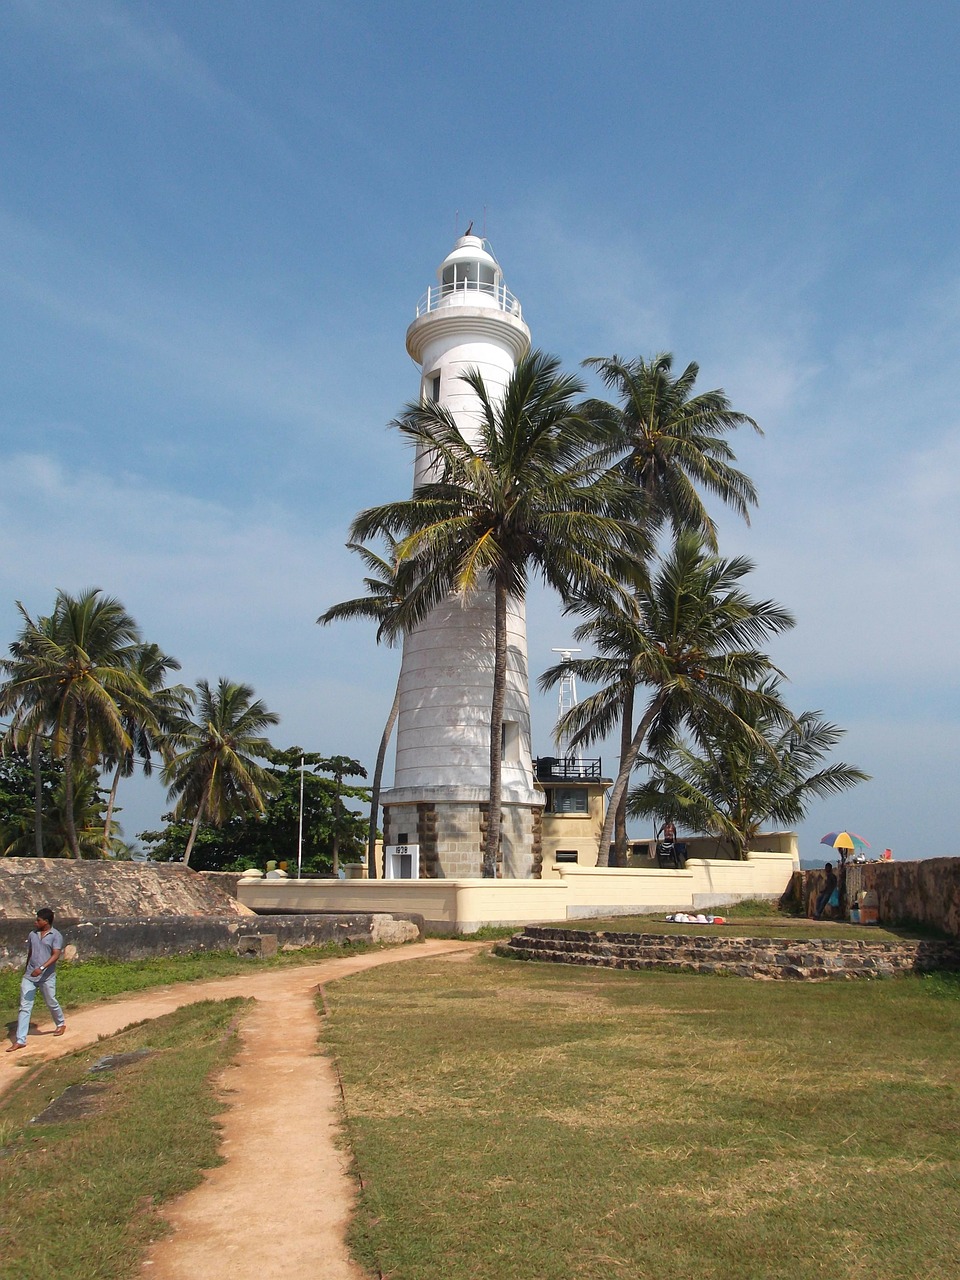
[(449, 827)]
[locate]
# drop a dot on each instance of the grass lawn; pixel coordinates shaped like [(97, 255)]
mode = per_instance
[(78, 1191), (529, 1120)]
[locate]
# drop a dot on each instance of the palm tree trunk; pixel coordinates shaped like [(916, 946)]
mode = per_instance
[(37, 797), (492, 845), (69, 816), (375, 787), (108, 821), (623, 777), (620, 831), (196, 825)]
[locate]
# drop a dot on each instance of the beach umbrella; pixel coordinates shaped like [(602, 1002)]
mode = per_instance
[(844, 840)]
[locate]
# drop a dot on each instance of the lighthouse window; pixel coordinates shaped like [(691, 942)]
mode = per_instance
[(510, 741), (435, 388), (468, 275)]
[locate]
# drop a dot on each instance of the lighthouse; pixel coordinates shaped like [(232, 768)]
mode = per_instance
[(435, 813)]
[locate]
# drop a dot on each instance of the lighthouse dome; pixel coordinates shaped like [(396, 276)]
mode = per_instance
[(470, 292)]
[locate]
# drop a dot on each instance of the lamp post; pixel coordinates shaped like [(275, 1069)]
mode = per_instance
[(300, 832)]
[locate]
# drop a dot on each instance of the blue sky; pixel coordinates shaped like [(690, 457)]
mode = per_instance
[(216, 220)]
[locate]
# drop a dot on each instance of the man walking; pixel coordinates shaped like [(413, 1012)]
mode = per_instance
[(44, 948)]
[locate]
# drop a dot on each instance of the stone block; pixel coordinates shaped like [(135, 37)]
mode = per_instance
[(260, 945)]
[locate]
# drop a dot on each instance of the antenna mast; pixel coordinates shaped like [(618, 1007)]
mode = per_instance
[(566, 701)]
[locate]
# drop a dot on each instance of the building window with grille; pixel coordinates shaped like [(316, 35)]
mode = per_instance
[(567, 800)]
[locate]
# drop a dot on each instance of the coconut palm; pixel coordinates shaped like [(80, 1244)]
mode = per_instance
[(386, 589), (672, 441), (215, 774), (523, 493), (147, 723), (689, 637), (26, 732), (71, 675), (728, 785), (672, 445)]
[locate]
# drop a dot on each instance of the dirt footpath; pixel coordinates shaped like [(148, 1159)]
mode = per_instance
[(280, 1204)]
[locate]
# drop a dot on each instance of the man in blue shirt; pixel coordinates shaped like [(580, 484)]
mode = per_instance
[(44, 948)]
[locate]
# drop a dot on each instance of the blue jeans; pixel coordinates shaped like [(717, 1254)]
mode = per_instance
[(47, 986)]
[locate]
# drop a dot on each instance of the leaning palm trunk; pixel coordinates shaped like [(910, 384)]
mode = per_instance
[(196, 824), (108, 821), (492, 846), (627, 762), (375, 786), (620, 833)]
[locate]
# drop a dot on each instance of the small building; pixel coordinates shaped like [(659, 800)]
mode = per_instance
[(574, 808)]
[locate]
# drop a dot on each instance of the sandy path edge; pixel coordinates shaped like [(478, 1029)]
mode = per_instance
[(280, 1204)]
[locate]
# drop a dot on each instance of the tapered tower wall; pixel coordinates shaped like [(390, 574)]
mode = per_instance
[(440, 792)]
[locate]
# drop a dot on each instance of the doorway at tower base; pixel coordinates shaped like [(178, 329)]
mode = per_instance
[(442, 838)]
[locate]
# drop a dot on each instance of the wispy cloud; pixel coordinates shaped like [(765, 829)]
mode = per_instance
[(227, 592), (224, 346), (101, 35), (106, 40)]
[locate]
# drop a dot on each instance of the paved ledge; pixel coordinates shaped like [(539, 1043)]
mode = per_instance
[(816, 959)]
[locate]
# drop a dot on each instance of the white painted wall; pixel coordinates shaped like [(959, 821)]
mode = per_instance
[(446, 677)]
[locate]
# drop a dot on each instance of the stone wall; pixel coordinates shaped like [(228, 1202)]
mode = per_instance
[(103, 890), (808, 959), (138, 939), (925, 893), (451, 837)]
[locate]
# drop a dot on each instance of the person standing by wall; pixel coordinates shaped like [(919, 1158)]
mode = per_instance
[(44, 948), (823, 898)]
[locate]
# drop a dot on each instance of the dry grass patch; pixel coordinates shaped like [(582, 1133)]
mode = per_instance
[(572, 1125), (79, 1187)]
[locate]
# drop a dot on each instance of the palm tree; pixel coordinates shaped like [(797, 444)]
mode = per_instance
[(72, 675), (215, 774), (673, 441), (689, 637), (526, 491), (731, 786), (77, 808), (26, 732), (341, 767), (386, 589), (147, 723)]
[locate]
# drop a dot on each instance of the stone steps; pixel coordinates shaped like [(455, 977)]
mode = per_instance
[(806, 959)]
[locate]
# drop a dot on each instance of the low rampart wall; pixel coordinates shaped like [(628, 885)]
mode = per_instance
[(705, 882), (465, 905), (119, 939), (102, 890), (446, 906), (925, 892)]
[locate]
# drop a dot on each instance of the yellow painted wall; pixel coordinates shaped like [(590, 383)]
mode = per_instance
[(573, 892)]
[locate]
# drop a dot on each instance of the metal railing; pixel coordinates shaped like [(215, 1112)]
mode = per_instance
[(443, 294), (550, 769)]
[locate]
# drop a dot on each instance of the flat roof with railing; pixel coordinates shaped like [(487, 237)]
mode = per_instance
[(571, 769)]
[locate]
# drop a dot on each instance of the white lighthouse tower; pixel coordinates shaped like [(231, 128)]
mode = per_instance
[(435, 813)]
